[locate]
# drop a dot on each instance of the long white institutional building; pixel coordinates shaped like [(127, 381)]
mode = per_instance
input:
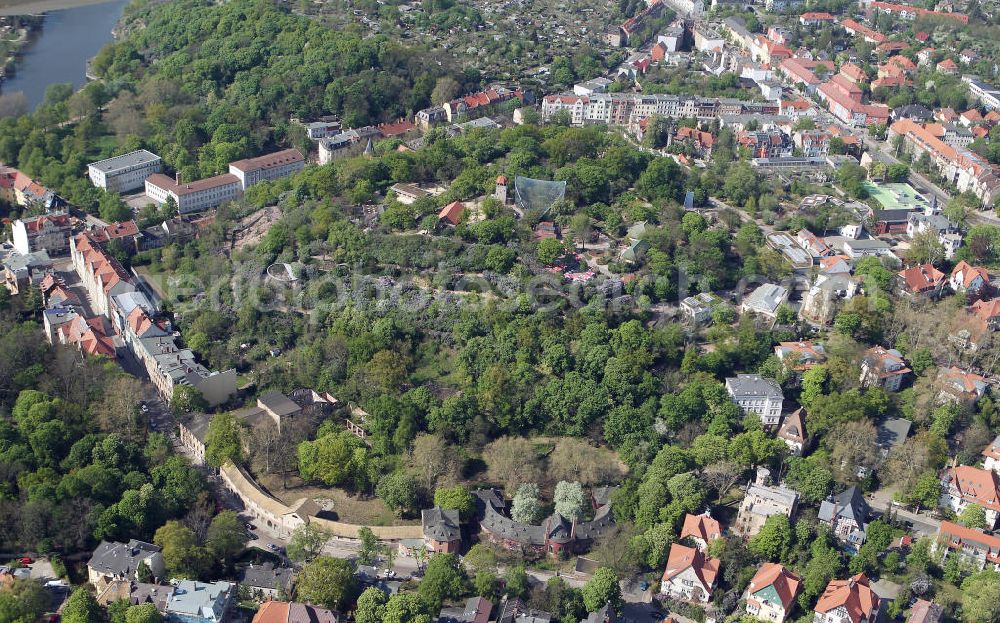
[(212, 192), (125, 172), (268, 167), (626, 109)]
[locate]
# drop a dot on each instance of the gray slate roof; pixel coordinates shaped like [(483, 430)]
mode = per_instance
[(441, 524), (266, 576), (124, 161), (849, 504), (120, 558), (893, 431), (743, 385)]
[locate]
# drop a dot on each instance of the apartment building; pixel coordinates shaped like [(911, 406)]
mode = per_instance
[(49, 232)]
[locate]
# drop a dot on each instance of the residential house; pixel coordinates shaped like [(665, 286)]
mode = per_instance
[(921, 281), (814, 18), (976, 547), (772, 592), (924, 611), (690, 575), (885, 368), (765, 300), (699, 308), (968, 278), (292, 612), (868, 247), (476, 610), (761, 501), (813, 244), (848, 601), (91, 336), (126, 172), (919, 222), (757, 394), (701, 141), (199, 602), (122, 561), (265, 581), (192, 432), (963, 485), (701, 529), (793, 431), (947, 66), (962, 388), (988, 313), (49, 233), (847, 515), (800, 355), (442, 529)]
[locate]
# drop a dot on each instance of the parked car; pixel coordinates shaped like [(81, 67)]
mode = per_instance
[(272, 547), (25, 560), (250, 526)]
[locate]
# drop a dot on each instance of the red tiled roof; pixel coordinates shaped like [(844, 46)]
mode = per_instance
[(268, 161), (817, 15), (702, 527), (682, 557), (785, 583), (853, 72), (970, 272), (396, 129), (854, 594), (863, 30), (35, 225), (169, 184), (921, 278), (958, 536), (452, 212), (976, 485)]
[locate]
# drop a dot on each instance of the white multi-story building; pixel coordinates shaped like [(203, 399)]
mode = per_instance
[(125, 172), (196, 196), (756, 394), (268, 167)]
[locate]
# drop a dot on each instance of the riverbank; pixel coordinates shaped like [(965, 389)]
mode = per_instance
[(34, 7)]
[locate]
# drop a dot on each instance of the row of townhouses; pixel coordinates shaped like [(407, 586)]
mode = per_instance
[(628, 109)]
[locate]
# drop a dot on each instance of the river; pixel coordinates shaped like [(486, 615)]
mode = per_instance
[(59, 53)]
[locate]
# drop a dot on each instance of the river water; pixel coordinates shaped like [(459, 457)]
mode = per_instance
[(59, 53)]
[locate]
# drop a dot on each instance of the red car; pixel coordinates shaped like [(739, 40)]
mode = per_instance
[(25, 560)]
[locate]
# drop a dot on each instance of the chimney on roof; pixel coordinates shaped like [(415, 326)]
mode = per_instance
[(177, 178)]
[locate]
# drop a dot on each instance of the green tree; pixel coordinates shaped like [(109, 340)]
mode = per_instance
[(399, 492), (602, 589), (774, 539), (187, 399), (369, 546), (371, 606), (226, 536), (973, 516), (81, 607), (327, 582), (405, 608), (457, 497), (516, 581), (443, 580), (143, 613), (182, 555), (307, 542), (981, 597), (223, 440), (480, 558), (549, 250)]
